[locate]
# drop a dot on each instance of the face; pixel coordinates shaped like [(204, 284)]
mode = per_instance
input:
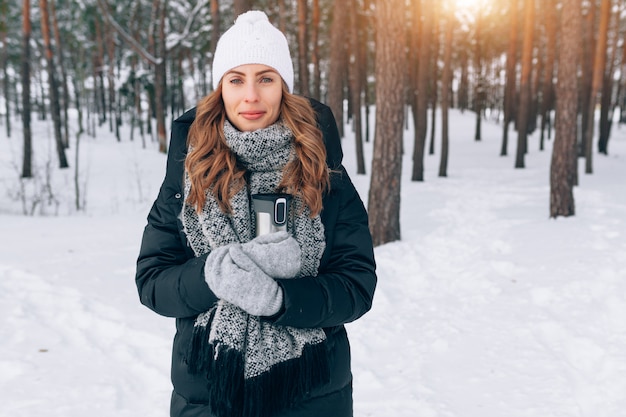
[(252, 94)]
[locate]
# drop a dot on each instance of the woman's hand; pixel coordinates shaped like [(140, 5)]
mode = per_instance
[(234, 277), (278, 254)]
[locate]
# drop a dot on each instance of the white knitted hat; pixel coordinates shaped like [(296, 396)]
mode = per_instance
[(253, 40)]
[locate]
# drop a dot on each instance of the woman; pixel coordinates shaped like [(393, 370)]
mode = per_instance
[(259, 320)]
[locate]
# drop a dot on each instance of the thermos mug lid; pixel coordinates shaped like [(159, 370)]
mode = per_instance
[(272, 208)]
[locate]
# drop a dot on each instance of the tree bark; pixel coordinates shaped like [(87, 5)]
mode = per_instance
[(524, 106), (564, 158), (384, 195)]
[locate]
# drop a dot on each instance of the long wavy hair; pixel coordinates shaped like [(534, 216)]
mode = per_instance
[(212, 165)]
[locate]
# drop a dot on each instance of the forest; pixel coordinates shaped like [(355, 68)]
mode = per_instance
[(552, 66)]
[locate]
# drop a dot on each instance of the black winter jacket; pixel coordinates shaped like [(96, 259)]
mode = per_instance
[(170, 279)]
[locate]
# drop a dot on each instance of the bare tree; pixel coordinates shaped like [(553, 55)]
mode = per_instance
[(384, 194), (564, 158)]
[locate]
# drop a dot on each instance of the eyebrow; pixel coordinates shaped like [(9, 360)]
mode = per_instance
[(256, 74)]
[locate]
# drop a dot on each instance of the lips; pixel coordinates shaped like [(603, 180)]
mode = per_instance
[(252, 115)]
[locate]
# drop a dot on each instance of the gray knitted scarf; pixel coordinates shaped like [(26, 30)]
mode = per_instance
[(254, 368)]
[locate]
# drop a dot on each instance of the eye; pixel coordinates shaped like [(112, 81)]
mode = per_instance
[(235, 81), (267, 79)]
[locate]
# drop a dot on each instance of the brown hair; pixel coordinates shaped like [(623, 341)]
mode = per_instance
[(212, 165)]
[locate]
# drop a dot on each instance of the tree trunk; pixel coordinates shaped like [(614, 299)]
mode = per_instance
[(607, 89), (27, 168), (160, 78), (384, 194), (61, 63), (282, 16), (479, 87), (367, 24), (337, 66), (547, 101), (113, 110), (303, 50), (241, 6), (511, 77), (524, 106), (99, 74), (599, 64), (52, 83), (463, 94), (588, 45), (434, 76), (446, 84), (315, 50), (564, 158), (355, 87), (421, 105), (4, 59)]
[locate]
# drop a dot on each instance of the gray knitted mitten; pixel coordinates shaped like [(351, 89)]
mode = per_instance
[(278, 254), (234, 277)]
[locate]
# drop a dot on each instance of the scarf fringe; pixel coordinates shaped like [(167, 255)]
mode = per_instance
[(286, 382), (200, 352), (230, 395)]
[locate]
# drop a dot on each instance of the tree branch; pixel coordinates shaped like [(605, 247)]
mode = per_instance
[(129, 39)]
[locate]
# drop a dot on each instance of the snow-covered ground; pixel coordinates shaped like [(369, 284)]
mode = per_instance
[(486, 308)]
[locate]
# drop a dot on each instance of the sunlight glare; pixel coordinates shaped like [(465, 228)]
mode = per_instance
[(467, 4)]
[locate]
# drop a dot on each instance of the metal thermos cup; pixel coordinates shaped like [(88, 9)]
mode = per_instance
[(272, 212)]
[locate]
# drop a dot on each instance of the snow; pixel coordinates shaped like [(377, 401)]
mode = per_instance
[(485, 308)]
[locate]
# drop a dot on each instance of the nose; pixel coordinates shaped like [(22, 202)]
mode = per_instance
[(251, 93)]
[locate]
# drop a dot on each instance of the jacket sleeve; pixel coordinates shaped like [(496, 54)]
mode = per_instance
[(170, 280), (344, 288)]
